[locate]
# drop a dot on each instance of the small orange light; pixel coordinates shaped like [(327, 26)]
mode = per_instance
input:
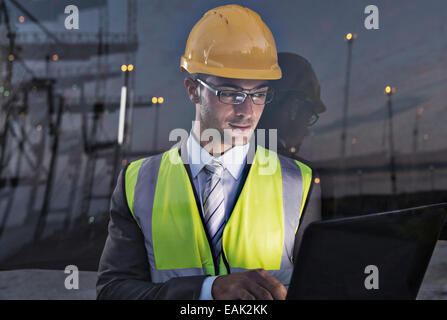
[(11, 57), (55, 57), (130, 67), (154, 99), (123, 68), (160, 100), (21, 19), (317, 180), (349, 36), (420, 111)]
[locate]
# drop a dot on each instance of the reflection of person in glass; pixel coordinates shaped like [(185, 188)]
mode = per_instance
[(296, 106)]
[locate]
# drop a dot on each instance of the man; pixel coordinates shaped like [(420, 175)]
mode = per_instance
[(297, 103), (202, 220)]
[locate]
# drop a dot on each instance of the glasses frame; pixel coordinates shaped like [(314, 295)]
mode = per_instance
[(313, 120), (219, 92)]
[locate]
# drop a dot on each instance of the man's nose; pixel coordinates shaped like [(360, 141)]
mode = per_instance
[(245, 108)]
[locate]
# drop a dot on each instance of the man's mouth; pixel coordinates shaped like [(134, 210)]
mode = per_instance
[(242, 127)]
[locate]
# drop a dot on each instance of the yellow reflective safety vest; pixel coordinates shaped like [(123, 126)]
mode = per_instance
[(260, 232)]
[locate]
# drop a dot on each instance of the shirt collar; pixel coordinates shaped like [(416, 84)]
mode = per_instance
[(233, 159)]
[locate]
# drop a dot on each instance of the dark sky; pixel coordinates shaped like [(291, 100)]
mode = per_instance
[(409, 51)]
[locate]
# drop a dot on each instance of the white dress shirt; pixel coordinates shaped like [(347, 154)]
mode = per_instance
[(233, 161)]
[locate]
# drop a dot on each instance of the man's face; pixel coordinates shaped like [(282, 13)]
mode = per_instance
[(295, 116), (236, 122)]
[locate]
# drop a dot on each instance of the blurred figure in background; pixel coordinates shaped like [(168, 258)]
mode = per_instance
[(296, 106)]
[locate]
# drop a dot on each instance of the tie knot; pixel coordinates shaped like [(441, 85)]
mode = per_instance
[(215, 167)]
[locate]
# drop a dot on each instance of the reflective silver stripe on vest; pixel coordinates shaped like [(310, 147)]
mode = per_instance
[(159, 276), (292, 183), (292, 198), (144, 201)]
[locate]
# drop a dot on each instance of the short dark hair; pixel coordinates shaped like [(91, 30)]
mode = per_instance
[(196, 76)]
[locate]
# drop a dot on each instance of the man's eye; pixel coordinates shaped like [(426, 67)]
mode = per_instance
[(228, 94), (260, 94)]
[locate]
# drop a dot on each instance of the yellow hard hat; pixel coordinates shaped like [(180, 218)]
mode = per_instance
[(232, 42)]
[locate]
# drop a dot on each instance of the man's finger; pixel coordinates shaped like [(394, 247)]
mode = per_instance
[(259, 292), (273, 285), (245, 295)]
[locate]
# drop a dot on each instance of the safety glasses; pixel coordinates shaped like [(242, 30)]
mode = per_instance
[(237, 97)]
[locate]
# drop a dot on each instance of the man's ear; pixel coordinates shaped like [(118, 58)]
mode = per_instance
[(192, 89)]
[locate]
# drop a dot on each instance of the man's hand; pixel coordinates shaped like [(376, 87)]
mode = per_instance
[(248, 285)]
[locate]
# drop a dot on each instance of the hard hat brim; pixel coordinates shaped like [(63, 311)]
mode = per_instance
[(186, 65)]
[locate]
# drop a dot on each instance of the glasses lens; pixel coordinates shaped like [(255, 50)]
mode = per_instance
[(234, 97), (263, 97), (231, 97), (313, 119)]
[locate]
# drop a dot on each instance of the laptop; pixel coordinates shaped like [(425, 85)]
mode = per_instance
[(375, 256)]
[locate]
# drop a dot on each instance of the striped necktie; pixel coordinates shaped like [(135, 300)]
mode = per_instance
[(213, 204)]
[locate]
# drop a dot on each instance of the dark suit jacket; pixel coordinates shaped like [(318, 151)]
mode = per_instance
[(124, 269)]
